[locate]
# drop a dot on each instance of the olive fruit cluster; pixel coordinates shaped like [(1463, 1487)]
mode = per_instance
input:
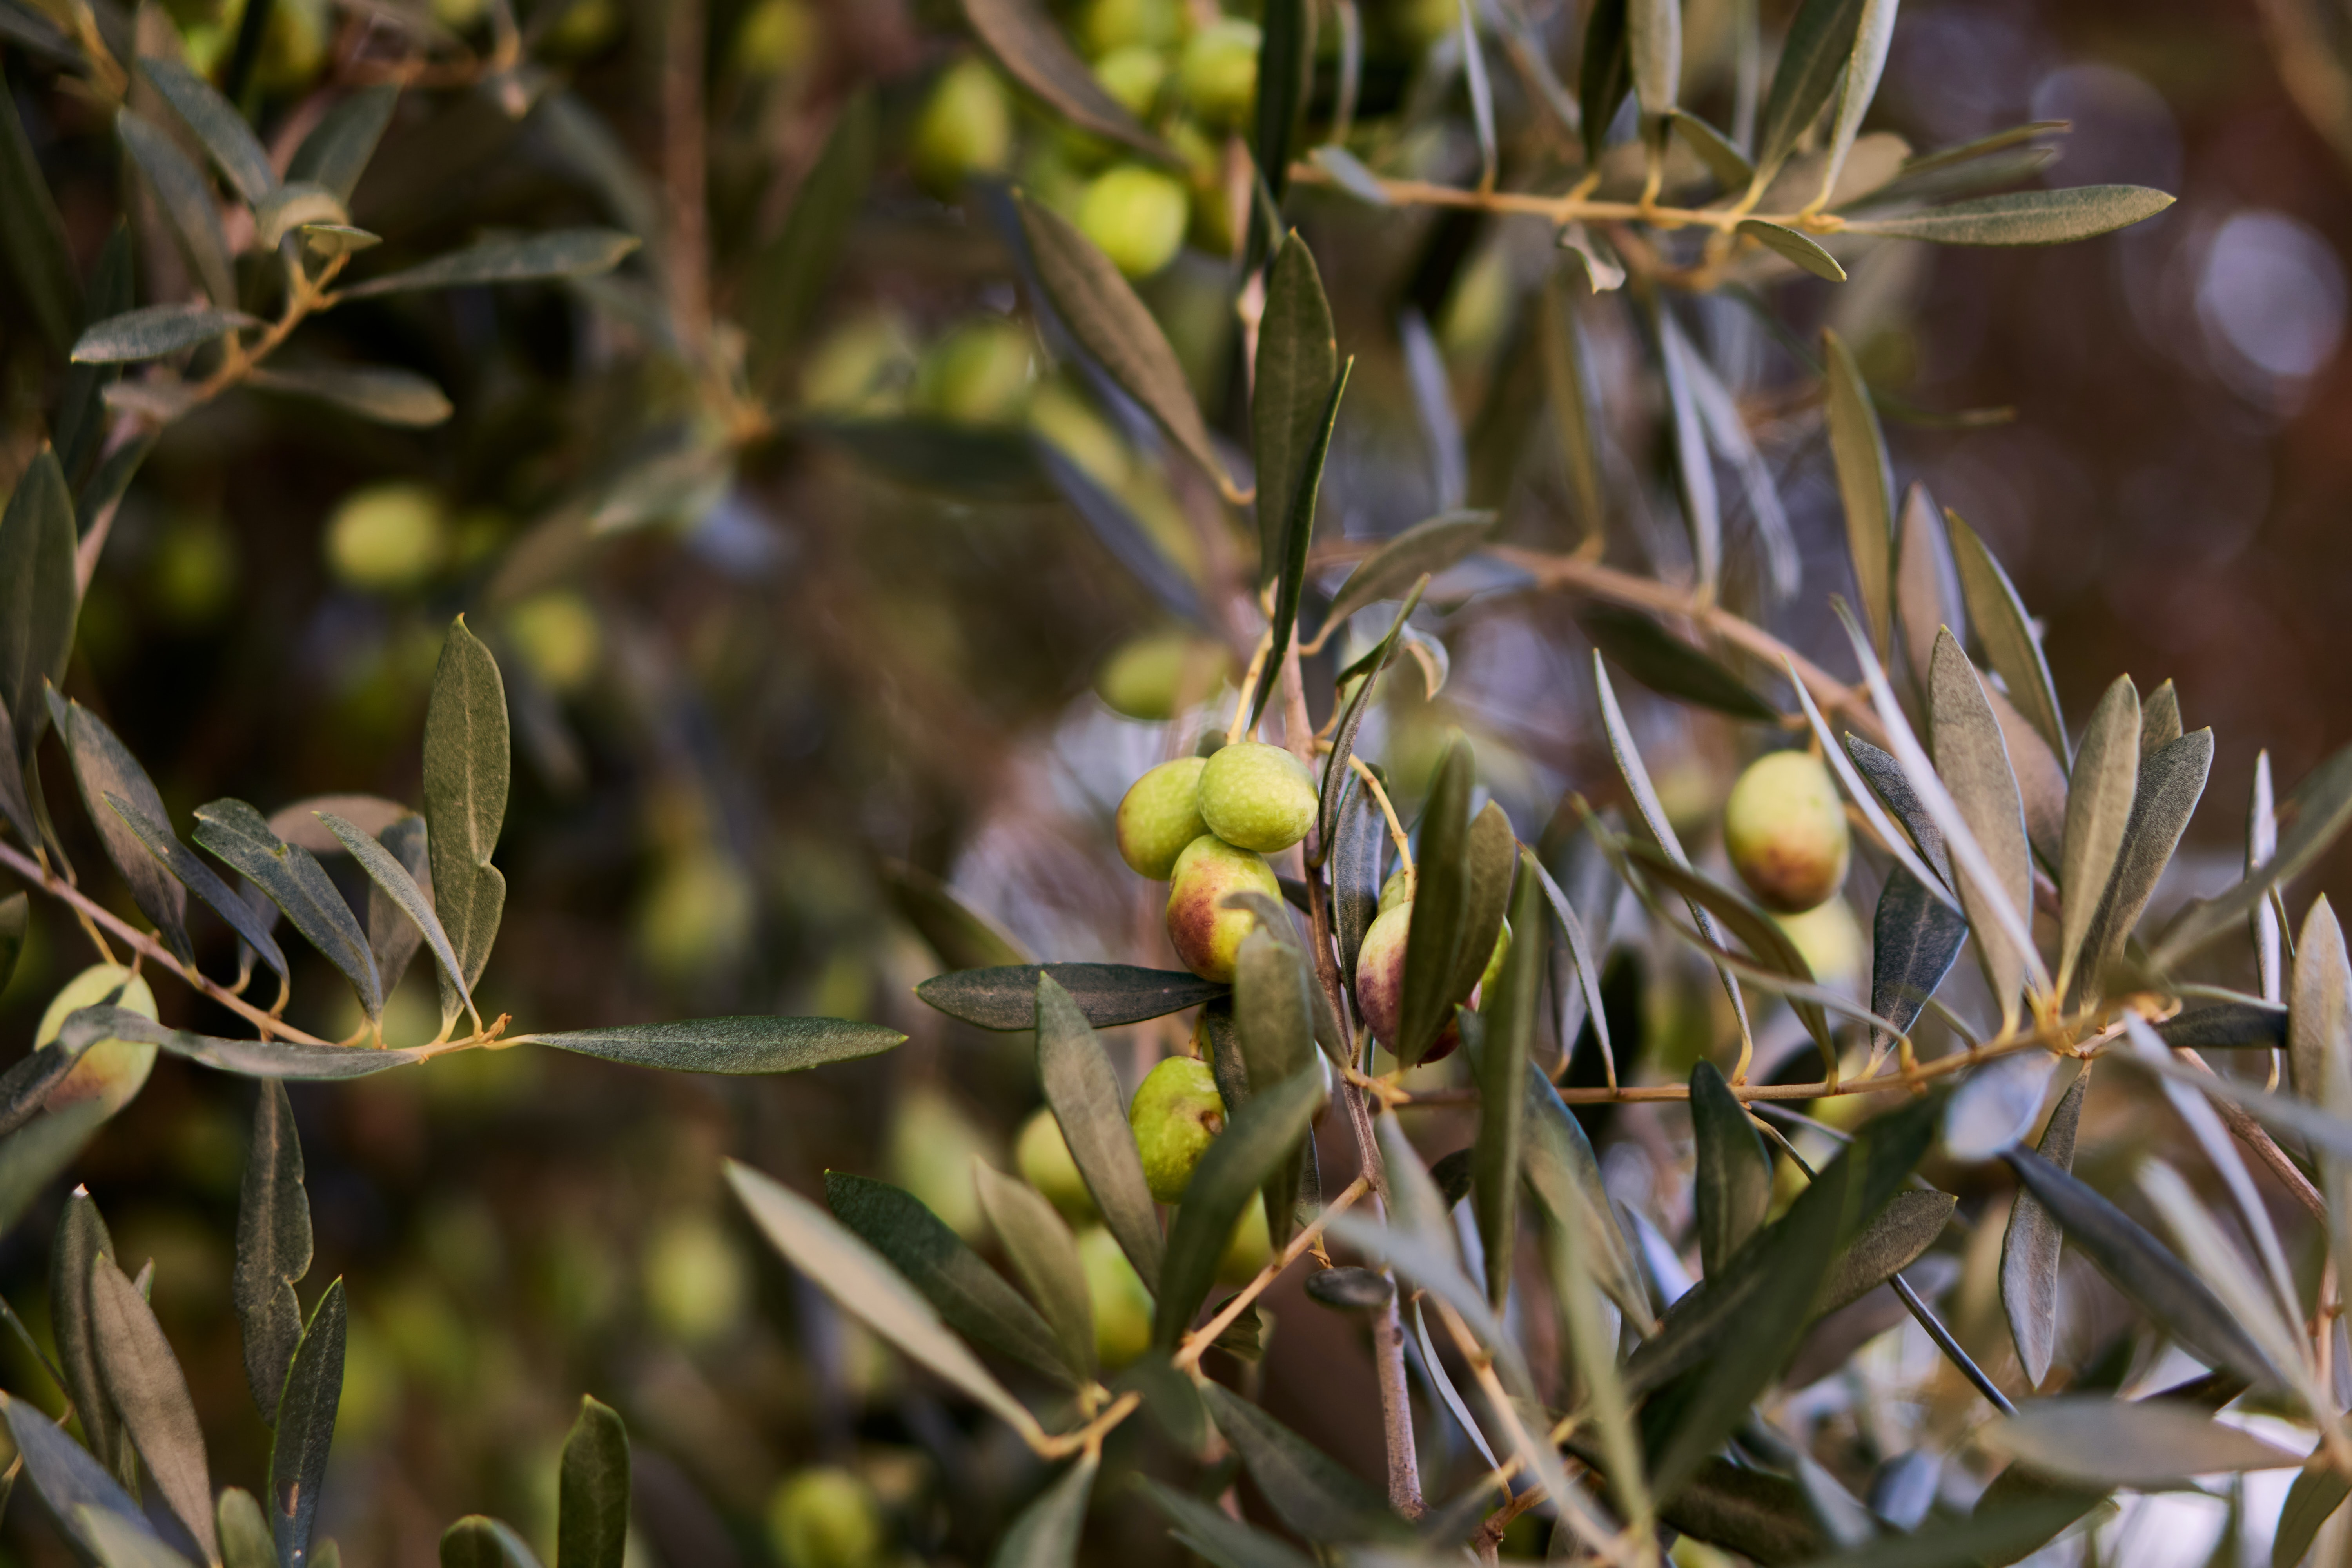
[(1379, 970), (1205, 826)]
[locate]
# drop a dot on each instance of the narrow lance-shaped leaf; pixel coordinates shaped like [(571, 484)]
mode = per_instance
[(1603, 74), (756, 1044), (2139, 1442), (145, 1381), (218, 124), (16, 915), (972, 1297), (564, 253), (102, 767), (1274, 1014), (338, 148), (1725, 161), (2262, 843), (2098, 812), (2024, 217), (81, 1245), (1424, 549), (2313, 814), (1509, 1017), (1339, 776), (1092, 1113), (2001, 625), (186, 200), (2319, 1020), (1030, 46), (306, 1429), (1103, 314), (1655, 48), (466, 764), (1569, 392), (1312, 1493), (1865, 485), (39, 599), (68, 1478), (1044, 1257), (788, 277), (387, 396), (1873, 31), (1593, 1344), (1865, 799), (2159, 719), (1257, 1138), (1298, 360), (386, 872), (247, 1057), (1106, 995), (853, 1274), (1731, 1186), (298, 885), (2167, 786), (1565, 1177), (1299, 533), (2029, 1247), (273, 1246), (1669, 666), (1727, 432), (1046, 1534), (156, 331), (1434, 936), (1972, 760), (591, 1528), (1813, 59), (1793, 245), (392, 937), (479, 1541), (1585, 955), (1216, 1536), (1694, 467), (33, 242)]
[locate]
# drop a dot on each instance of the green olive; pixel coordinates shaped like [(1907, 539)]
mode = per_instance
[(965, 128), (1044, 1158), (1785, 830), (1121, 1306), (1207, 935), (1175, 1115), (111, 1070), (826, 1518), (388, 538), (1133, 74), (1136, 216), (1160, 816), (1256, 796), (979, 373), (1219, 73)]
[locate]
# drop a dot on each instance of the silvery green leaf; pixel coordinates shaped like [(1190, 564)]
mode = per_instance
[(2029, 1247), (1046, 1534), (1694, 467), (2168, 784), (868, 1288), (2315, 813), (1725, 161), (1091, 1109), (1865, 483), (2319, 1017), (2261, 843), (2024, 217), (1772, 947), (144, 1379), (1105, 994), (155, 331), (1794, 246), (1508, 1014), (117, 1542), (1348, 172), (1482, 91), (759, 1043), (104, 767), (562, 253), (2009, 643), (298, 885), (2128, 1443), (466, 767), (1727, 432), (1814, 58), (1654, 45), (248, 1059), (1426, 548), (1298, 537), (1669, 666), (1972, 760), (2098, 815), (68, 1478), (1905, 1229), (387, 396), (1873, 31), (1571, 397), (1886, 782), (392, 937), (339, 147), (1339, 777), (273, 1246), (1298, 359), (186, 201), (1732, 1181), (1044, 1256), (389, 875), (223, 131), (1030, 46)]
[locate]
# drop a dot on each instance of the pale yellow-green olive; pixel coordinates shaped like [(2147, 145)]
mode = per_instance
[(113, 1070), (1175, 1115), (1785, 830)]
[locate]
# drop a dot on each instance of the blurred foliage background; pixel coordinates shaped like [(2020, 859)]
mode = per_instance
[(763, 689)]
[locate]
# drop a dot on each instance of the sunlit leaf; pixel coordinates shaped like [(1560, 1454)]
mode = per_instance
[(1906, 1228), (306, 1428), (324, 220), (299, 886), (1794, 246), (479, 1541), (1654, 45), (564, 253), (2098, 814), (868, 1288), (1726, 162), (1873, 31), (2024, 217), (2168, 784), (2001, 625)]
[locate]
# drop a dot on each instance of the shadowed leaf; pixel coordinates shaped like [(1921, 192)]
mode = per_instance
[(1091, 1110), (1045, 1256), (1031, 49), (2024, 217), (273, 1246), (68, 1478), (1865, 483), (2030, 1248), (591, 1528), (466, 764), (380, 392), (1298, 360), (200, 879), (218, 124), (1507, 1016), (299, 886), (788, 277), (564, 253), (2313, 814), (144, 1380), (1666, 664), (1046, 1535), (1732, 1186), (1105, 994), (39, 596), (306, 1428), (1257, 1138), (103, 766), (2001, 625), (1297, 536), (1309, 1491), (155, 332), (339, 147), (2168, 784), (186, 200)]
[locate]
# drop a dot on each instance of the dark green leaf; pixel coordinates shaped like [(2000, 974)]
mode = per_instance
[(392, 937), (1813, 60), (111, 481), (2317, 1492), (82, 1243), (1997, 1535), (1914, 938), (313, 209), (39, 596), (1887, 781), (386, 395), (2142, 1443), (218, 124), (1358, 848), (2098, 814), (1694, 463), (68, 1478), (2313, 814), (973, 1298), (562, 253), (1347, 1288), (868, 1288), (467, 763), (756, 1044), (298, 885), (2226, 1026), (1091, 1109), (273, 1246), (249, 1058), (1257, 1138), (1759, 1515), (1865, 483), (1217, 1536), (1122, 533), (155, 332), (1045, 1256), (1795, 246), (1585, 955), (1666, 664), (1310, 1492), (1103, 314), (1285, 70), (144, 1380), (1604, 74), (1031, 49), (2024, 217), (1274, 1014), (1170, 1398), (789, 275), (1906, 1227), (1339, 777), (477, 1541), (1972, 758), (1565, 1177), (1731, 1187), (1728, 163), (339, 147), (1106, 995), (2030, 1248), (15, 806), (972, 463), (962, 937), (2170, 782), (591, 1528), (1441, 908), (186, 200), (1424, 548), (1999, 619), (1046, 1533), (1508, 1016), (2142, 1269), (33, 242), (306, 1429), (103, 766), (1297, 535)]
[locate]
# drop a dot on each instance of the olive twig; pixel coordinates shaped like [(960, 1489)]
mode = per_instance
[(1198, 1341)]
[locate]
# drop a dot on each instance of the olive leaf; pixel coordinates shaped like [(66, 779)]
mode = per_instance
[(1298, 359), (155, 332), (1794, 246), (298, 885), (1216, 1536), (1905, 1229), (1044, 1256), (1106, 995), (1358, 842), (200, 879), (226, 136), (385, 871), (1046, 1534), (1091, 1109), (1972, 760), (1565, 1177), (387, 396), (338, 148), (788, 276), (2227, 1025), (1603, 74), (1507, 1016), (466, 764), (1874, 32), (306, 1426), (1286, 73), (2098, 814), (479, 1541), (1653, 45), (2168, 784), (2029, 1247), (2317, 1492), (564, 253), (16, 915), (1425, 548), (33, 243), (1858, 447), (82, 1243), (2001, 625), (144, 1380), (1694, 467), (273, 1246), (1667, 665), (1339, 776), (1310, 1492), (1257, 1139), (2119, 1443), (1298, 534), (2024, 217), (2315, 813), (74, 1485), (1814, 60), (1731, 1185), (1441, 908), (1569, 392), (1030, 48), (186, 199), (104, 767), (39, 599)]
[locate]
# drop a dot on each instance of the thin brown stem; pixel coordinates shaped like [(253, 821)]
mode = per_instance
[(2265, 1148), (1198, 1341)]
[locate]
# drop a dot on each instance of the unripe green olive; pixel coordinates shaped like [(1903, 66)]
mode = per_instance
[(696, 1283), (1044, 1158), (1132, 75), (774, 37), (111, 1070), (1250, 1249), (1121, 1306), (1212, 228), (1081, 435), (1785, 831), (1397, 889), (1136, 216), (1219, 73), (387, 538), (825, 1517), (966, 127), (1256, 796), (1107, 25), (1830, 940), (932, 1146), (1160, 816), (1175, 1115), (1148, 676), (585, 27), (558, 635), (978, 374), (1207, 935)]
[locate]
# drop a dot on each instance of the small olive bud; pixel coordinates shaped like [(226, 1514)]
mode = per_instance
[(1256, 796), (1159, 815), (1207, 935), (1785, 831)]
